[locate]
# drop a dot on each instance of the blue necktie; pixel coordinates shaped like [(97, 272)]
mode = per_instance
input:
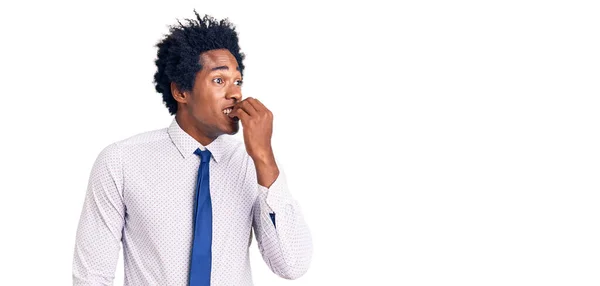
[(200, 261)]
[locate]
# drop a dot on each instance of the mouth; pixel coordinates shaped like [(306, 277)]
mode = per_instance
[(227, 111)]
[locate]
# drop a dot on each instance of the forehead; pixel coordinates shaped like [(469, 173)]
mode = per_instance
[(216, 58)]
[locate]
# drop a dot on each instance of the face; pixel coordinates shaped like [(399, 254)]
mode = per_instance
[(217, 88)]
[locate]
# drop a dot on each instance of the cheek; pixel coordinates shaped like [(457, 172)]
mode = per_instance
[(197, 108), (207, 108)]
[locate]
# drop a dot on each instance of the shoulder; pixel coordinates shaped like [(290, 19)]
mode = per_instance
[(138, 142), (144, 138)]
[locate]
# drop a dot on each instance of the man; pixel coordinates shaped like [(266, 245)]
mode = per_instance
[(183, 200)]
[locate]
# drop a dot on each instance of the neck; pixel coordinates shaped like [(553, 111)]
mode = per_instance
[(187, 124)]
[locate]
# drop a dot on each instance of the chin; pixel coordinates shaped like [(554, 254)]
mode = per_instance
[(231, 130)]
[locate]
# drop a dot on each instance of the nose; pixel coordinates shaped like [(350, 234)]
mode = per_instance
[(235, 94)]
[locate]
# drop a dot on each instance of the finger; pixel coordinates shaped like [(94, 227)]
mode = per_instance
[(246, 106), (242, 115), (262, 108), (258, 106), (237, 109), (234, 112)]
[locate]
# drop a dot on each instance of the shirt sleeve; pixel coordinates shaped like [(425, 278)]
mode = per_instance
[(98, 238), (283, 237)]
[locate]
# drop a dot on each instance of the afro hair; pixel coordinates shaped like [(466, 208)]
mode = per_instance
[(178, 56)]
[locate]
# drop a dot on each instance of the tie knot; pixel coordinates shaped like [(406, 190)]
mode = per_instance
[(204, 155)]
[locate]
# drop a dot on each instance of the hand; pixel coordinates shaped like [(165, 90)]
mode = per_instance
[(257, 121)]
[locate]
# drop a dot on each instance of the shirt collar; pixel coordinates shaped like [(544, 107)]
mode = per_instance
[(186, 144)]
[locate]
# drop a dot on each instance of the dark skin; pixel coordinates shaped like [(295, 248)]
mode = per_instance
[(217, 87)]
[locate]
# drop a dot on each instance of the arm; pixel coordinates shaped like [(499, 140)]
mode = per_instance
[(98, 239), (283, 237)]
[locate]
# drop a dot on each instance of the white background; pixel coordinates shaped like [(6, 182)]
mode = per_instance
[(429, 143)]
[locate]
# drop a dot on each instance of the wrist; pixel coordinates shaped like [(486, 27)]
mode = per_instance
[(264, 159), (266, 169)]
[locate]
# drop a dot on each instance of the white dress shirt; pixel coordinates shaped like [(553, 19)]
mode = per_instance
[(141, 194)]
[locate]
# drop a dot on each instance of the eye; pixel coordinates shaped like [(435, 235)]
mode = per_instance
[(239, 82), (218, 80)]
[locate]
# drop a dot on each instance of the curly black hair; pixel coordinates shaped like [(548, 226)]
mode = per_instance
[(178, 57)]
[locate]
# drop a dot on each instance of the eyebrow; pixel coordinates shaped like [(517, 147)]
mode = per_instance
[(224, 68)]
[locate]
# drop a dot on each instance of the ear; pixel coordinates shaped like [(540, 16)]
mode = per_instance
[(178, 95)]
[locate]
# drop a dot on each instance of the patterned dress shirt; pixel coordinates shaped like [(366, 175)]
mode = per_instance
[(141, 195)]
